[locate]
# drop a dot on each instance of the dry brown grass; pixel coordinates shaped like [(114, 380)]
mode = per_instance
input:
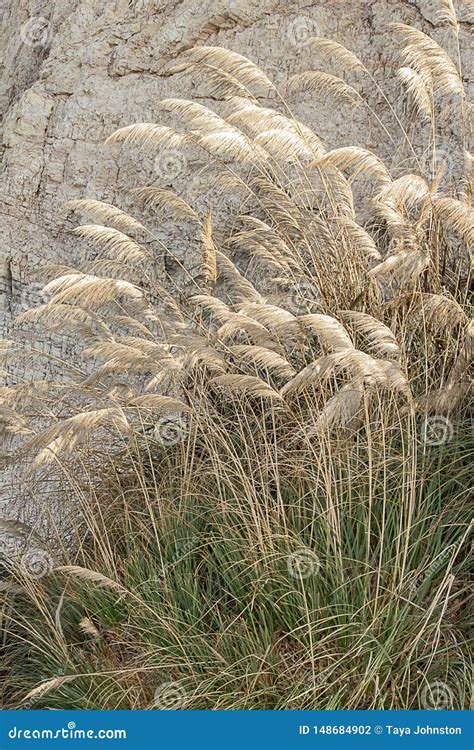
[(280, 384)]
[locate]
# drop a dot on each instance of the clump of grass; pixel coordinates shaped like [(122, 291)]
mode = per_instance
[(344, 585), (267, 455)]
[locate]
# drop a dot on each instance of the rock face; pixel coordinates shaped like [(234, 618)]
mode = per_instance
[(75, 71)]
